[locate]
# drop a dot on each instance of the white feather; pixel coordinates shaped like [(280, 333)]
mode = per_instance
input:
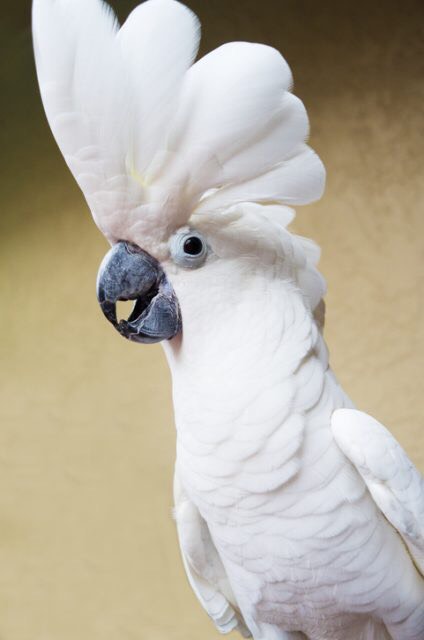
[(105, 115), (159, 42), (296, 180), (204, 567), (395, 484), (240, 130), (304, 546), (148, 137)]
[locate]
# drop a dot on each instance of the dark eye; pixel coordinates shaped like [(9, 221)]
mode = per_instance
[(193, 246), (188, 248)]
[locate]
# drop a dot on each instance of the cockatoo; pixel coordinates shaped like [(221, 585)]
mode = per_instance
[(297, 516)]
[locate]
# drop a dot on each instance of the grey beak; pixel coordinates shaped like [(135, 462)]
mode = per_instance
[(129, 273)]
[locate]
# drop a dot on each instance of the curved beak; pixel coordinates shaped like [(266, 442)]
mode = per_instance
[(129, 273)]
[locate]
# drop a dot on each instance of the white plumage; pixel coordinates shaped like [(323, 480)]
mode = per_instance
[(297, 515), (147, 136)]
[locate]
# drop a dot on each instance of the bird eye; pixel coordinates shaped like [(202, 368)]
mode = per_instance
[(193, 246), (188, 249)]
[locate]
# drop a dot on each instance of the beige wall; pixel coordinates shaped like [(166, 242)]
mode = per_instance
[(87, 544)]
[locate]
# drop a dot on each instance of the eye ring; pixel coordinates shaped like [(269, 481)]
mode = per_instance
[(188, 248)]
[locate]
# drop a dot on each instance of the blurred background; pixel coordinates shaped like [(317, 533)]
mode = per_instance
[(87, 543)]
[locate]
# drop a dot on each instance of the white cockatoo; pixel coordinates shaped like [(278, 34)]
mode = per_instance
[(297, 516)]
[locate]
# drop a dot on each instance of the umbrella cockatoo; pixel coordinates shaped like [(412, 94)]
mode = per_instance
[(297, 516)]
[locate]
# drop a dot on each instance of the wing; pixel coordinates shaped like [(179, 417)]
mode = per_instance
[(394, 482), (205, 571)]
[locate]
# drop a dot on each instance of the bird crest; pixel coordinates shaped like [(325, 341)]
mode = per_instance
[(153, 137)]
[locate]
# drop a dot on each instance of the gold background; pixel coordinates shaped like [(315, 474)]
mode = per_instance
[(87, 544)]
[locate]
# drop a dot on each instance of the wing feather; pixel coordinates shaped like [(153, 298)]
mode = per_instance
[(205, 571), (394, 482)]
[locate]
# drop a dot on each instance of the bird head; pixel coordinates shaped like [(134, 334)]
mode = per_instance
[(190, 169)]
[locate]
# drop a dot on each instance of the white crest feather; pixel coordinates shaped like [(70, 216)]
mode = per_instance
[(151, 139)]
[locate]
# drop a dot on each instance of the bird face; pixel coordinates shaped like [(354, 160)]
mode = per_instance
[(129, 272), (209, 263)]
